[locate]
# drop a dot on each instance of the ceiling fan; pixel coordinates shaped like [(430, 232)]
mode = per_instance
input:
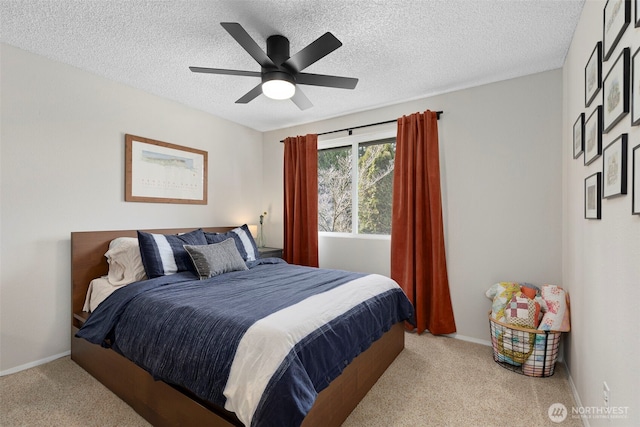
[(280, 72)]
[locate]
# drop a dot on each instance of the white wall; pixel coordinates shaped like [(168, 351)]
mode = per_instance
[(62, 170), (501, 181), (601, 259)]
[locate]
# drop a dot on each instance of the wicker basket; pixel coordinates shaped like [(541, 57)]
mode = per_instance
[(530, 352)]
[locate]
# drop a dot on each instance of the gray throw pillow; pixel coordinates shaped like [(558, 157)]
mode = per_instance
[(215, 259)]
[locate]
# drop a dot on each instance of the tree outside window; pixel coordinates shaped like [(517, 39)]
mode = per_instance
[(366, 210)]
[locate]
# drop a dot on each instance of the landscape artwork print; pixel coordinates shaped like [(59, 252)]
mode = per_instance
[(615, 168), (160, 172), (617, 15), (593, 136), (593, 75), (615, 91), (592, 192)]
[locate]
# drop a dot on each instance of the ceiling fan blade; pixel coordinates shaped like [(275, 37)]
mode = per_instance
[(224, 71), (245, 40), (251, 95), (325, 80), (301, 100), (318, 49)]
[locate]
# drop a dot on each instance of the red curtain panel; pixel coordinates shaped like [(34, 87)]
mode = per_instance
[(301, 200), (418, 261)]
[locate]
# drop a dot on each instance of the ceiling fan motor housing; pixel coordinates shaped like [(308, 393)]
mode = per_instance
[(278, 52), (278, 49)]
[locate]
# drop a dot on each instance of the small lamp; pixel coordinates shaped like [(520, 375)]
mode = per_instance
[(253, 228)]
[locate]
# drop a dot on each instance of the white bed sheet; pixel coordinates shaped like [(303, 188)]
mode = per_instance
[(99, 289)]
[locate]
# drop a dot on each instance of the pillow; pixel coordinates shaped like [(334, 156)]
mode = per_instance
[(529, 292), (217, 258), (242, 238), (125, 263), (522, 311), (164, 254)]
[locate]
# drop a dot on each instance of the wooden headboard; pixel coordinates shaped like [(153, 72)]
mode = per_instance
[(88, 261)]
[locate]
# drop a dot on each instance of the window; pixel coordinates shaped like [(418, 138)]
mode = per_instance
[(356, 200)]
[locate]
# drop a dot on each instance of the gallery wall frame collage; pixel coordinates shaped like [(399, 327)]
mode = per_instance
[(619, 91)]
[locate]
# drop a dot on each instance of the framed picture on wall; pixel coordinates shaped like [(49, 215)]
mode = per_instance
[(593, 136), (160, 172), (635, 180), (615, 91), (617, 15), (614, 168), (593, 75), (635, 88), (592, 196), (578, 136)]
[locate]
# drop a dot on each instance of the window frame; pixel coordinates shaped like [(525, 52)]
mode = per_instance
[(353, 141)]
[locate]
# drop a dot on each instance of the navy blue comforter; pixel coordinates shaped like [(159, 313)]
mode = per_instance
[(187, 332)]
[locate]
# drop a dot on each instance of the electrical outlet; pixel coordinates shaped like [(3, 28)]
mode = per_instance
[(606, 394)]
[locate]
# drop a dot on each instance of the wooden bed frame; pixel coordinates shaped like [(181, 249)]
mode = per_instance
[(164, 405)]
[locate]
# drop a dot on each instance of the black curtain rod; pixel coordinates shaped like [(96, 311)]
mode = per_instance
[(350, 129)]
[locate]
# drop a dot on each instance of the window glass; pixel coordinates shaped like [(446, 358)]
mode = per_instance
[(375, 185), (367, 210), (334, 190)]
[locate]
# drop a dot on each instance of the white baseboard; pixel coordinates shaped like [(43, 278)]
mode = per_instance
[(576, 396), (33, 364), (470, 339)]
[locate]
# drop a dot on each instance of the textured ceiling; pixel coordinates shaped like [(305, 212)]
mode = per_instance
[(400, 50)]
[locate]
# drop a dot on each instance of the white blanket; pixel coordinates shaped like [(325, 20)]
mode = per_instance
[(282, 331)]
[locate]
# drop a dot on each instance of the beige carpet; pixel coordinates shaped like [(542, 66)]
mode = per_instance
[(436, 381)]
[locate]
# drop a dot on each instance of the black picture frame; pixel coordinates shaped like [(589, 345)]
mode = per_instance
[(578, 136), (635, 180), (616, 18), (593, 196), (614, 168), (635, 88), (615, 91), (593, 136), (593, 75)]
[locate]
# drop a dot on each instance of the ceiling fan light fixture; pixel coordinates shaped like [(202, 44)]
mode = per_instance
[(278, 85)]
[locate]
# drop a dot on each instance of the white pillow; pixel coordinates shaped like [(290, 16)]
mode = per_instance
[(125, 262)]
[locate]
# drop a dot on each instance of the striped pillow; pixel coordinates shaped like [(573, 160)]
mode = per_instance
[(243, 239), (217, 258), (164, 254)]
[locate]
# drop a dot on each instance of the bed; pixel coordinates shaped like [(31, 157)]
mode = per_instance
[(167, 403)]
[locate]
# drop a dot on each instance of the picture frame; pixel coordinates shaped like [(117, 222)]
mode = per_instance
[(593, 197), (161, 172), (635, 88), (615, 91), (614, 168), (593, 75), (635, 180), (593, 136), (637, 24), (616, 18), (578, 136)]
